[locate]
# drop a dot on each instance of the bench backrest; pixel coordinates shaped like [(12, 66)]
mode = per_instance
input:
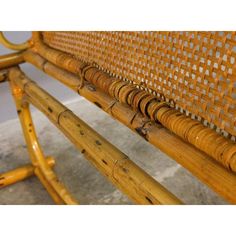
[(195, 71)]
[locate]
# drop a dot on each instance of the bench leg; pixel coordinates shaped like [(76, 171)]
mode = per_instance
[(42, 168)]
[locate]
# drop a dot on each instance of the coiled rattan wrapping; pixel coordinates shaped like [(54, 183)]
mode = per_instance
[(196, 71)]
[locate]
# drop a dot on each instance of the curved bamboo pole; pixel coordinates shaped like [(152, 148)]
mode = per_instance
[(43, 170), (114, 164), (197, 162), (13, 46)]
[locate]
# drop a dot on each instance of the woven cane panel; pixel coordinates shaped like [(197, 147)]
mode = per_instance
[(194, 70)]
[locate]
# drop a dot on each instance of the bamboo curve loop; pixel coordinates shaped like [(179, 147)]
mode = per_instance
[(13, 46)]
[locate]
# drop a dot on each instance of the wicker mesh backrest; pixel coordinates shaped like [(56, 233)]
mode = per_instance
[(196, 71)]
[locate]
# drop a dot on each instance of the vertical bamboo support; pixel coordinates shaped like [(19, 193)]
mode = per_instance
[(114, 164), (37, 157)]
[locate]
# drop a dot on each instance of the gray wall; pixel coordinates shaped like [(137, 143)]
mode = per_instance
[(7, 107)]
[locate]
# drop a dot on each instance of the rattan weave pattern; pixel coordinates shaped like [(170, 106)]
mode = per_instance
[(194, 70)]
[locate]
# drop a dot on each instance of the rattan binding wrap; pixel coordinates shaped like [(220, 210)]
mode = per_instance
[(151, 104)]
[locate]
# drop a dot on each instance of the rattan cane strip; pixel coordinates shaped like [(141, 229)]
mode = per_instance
[(194, 70)]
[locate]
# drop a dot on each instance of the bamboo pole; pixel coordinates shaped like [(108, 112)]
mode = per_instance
[(20, 173), (34, 149), (114, 164), (13, 46), (198, 163), (10, 60)]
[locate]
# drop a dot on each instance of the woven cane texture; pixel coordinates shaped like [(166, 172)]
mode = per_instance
[(195, 71)]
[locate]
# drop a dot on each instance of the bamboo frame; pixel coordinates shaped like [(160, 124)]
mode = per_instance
[(139, 116), (197, 162), (13, 46), (125, 174)]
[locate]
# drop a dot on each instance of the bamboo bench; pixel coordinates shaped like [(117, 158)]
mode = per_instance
[(177, 90)]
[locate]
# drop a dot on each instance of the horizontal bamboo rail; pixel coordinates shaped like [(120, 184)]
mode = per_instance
[(13, 46), (10, 60), (197, 162), (114, 164), (207, 140), (20, 173)]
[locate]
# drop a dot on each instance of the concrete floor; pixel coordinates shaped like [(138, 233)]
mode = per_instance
[(81, 178)]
